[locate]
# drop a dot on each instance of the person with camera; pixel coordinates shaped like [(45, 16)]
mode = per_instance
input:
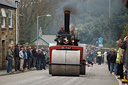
[(124, 45)]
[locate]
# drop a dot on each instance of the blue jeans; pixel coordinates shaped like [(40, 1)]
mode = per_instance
[(26, 63), (29, 63), (38, 65), (113, 66), (44, 64), (9, 69)]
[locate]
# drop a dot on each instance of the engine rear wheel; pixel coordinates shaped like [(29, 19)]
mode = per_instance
[(82, 70), (50, 69)]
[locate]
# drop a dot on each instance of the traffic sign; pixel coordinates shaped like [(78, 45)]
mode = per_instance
[(100, 42)]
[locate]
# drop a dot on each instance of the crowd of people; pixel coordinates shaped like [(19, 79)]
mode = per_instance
[(117, 59), (96, 55), (25, 58)]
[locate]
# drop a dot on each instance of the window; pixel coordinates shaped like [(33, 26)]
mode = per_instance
[(11, 41), (10, 18), (3, 17)]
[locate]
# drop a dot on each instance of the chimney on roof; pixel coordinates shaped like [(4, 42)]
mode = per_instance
[(40, 32)]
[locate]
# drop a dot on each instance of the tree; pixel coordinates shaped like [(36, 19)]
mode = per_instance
[(125, 32), (92, 21), (30, 9)]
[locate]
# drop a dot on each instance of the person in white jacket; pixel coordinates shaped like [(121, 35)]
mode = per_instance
[(105, 56), (21, 55)]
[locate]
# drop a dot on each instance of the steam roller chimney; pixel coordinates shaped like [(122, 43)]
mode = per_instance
[(67, 21)]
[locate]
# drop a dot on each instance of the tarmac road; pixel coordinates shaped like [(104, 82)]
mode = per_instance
[(96, 75)]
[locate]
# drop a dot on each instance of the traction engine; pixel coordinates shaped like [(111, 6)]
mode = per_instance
[(66, 58)]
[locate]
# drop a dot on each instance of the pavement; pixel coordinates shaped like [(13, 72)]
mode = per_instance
[(4, 72)]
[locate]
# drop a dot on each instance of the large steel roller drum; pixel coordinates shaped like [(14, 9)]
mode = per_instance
[(63, 57)]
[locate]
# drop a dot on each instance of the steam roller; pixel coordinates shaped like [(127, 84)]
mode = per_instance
[(67, 57)]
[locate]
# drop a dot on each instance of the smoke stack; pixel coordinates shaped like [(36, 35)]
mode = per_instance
[(67, 21)]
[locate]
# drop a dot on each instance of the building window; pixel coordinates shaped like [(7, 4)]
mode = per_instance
[(10, 18), (11, 41), (3, 17)]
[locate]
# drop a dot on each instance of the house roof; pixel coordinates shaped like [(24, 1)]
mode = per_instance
[(8, 3), (46, 38)]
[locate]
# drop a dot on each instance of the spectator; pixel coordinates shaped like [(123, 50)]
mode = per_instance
[(102, 57), (108, 59), (10, 59), (26, 57), (42, 49), (116, 64), (124, 45), (16, 56), (94, 57), (113, 62), (39, 59), (90, 56), (99, 55), (29, 53), (34, 57), (43, 60), (119, 60), (105, 56), (21, 55)]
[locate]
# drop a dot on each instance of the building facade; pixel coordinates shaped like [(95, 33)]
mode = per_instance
[(7, 28)]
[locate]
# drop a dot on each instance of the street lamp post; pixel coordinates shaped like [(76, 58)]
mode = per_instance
[(109, 8), (37, 31), (48, 15), (16, 3)]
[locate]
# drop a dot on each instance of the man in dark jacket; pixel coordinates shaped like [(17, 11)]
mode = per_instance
[(108, 59), (43, 60), (29, 53), (34, 57), (113, 62), (16, 56)]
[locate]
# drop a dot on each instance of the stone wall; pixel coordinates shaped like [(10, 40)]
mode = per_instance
[(6, 35)]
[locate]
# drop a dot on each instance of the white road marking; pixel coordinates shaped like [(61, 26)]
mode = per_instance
[(120, 82)]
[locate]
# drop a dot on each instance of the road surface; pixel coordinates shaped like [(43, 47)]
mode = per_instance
[(96, 75)]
